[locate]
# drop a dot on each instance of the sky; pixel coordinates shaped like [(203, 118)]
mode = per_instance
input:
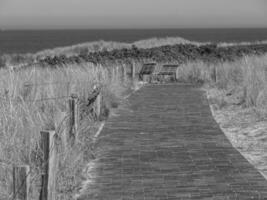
[(98, 14)]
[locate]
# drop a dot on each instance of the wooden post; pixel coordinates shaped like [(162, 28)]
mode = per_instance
[(177, 74), (74, 115), (100, 73), (124, 72), (133, 70), (62, 128), (117, 73), (21, 182), (215, 74), (49, 164), (98, 105), (113, 74)]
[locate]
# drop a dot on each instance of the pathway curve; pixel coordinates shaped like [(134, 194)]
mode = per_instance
[(165, 145)]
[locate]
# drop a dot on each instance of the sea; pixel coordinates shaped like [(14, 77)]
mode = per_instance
[(31, 41)]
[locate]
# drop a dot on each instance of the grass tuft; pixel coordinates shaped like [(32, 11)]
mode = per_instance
[(35, 99)]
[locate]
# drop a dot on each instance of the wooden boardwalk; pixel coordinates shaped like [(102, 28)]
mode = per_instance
[(165, 145)]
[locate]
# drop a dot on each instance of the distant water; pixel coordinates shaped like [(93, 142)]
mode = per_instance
[(33, 41)]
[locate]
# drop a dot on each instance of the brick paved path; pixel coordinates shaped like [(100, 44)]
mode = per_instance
[(166, 145)]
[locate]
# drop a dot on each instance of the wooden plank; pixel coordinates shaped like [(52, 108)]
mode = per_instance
[(168, 70), (148, 68), (74, 115), (49, 165), (21, 182), (171, 127)]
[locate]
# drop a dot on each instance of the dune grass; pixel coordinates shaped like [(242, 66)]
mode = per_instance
[(100, 46), (24, 112), (238, 101), (84, 48), (110, 45), (35, 99), (244, 80)]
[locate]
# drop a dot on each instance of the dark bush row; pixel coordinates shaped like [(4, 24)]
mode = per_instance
[(179, 53)]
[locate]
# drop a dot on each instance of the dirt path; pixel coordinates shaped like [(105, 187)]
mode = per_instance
[(164, 144)]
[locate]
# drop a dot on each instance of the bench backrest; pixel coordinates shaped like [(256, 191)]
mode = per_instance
[(148, 69), (168, 70)]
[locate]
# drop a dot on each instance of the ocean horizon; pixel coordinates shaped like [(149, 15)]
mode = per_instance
[(31, 41)]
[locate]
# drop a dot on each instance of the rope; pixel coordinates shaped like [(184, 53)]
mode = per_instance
[(51, 83), (54, 83), (95, 92), (36, 100), (92, 96), (47, 99)]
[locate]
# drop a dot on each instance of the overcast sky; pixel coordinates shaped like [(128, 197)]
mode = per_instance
[(35, 14)]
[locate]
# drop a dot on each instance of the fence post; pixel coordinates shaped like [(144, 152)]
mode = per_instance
[(113, 74), (74, 114), (49, 164), (117, 73), (215, 74), (21, 182), (123, 73), (133, 70), (98, 105)]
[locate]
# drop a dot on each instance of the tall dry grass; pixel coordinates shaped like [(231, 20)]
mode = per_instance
[(35, 99), (27, 108), (245, 80)]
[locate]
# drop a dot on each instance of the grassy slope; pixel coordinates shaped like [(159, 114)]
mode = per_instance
[(238, 102), (179, 53), (159, 49), (90, 47), (241, 85), (23, 116)]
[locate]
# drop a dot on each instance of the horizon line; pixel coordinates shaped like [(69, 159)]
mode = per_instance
[(38, 29)]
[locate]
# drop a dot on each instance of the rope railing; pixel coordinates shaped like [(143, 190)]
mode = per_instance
[(35, 100), (47, 83), (54, 83), (28, 84), (91, 97)]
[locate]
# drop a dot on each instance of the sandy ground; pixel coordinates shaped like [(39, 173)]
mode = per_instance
[(244, 128)]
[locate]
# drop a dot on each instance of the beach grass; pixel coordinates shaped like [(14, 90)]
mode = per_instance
[(84, 48), (237, 94), (36, 98), (245, 79)]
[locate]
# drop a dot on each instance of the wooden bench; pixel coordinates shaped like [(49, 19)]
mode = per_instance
[(147, 72), (168, 73)]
